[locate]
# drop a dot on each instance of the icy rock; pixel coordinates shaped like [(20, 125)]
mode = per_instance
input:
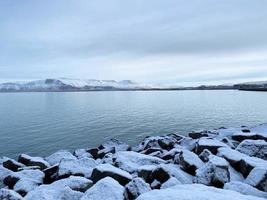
[(25, 185), (189, 162), (145, 171), (48, 192), (235, 175), (258, 178), (240, 136), (12, 164), (169, 155), (82, 153), (155, 184), (160, 174), (34, 175), (114, 143), (188, 143), (33, 161), (205, 155), (6, 194), (231, 143), (135, 188), (254, 148), (50, 174), (4, 172), (198, 134), (55, 158), (130, 161), (79, 167), (170, 183), (108, 158), (193, 192), (105, 189), (213, 173), (151, 150), (93, 152), (76, 183), (106, 170), (245, 189), (211, 144), (101, 153)]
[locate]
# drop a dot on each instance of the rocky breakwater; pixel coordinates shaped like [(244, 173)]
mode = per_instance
[(218, 164)]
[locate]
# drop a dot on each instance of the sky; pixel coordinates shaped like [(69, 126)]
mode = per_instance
[(185, 42)]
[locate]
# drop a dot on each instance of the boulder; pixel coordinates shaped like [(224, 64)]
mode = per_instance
[(78, 167), (107, 188), (4, 172), (93, 152), (240, 136), (33, 161), (253, 148), (114, 143), (34, 175), (170, 183), (12, 164), (245, 189), (198, 134), (213, 173), (258, 178), (82, 153), (193, 192), (189, 161), (135, 188), (48, 192), (56, 157), (160, 174), (50, 174), (211, 144), (145, 171), (109, 150), (106, 170), (6, 194), (205, 155), (188, 143), (25, 185), (130, 161)]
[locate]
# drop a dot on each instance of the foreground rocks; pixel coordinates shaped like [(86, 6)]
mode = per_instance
[(217, 164)]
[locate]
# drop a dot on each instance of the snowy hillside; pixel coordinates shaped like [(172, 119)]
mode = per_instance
[(64, 84)]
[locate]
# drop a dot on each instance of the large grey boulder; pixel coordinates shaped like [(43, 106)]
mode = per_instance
[(253, 148), (56, 157)]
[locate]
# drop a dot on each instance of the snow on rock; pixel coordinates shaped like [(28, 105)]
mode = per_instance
[(4, 172), (56, 157), (198, 134), (12, 164), (135, 188), (107, 170), (193, 192), (245, 189), (33, 161), (82, 167), (114, 143), (105, 189), (25, 185), (235, 175), (130, 161), (258, 178), (189, 161), (205, 155), (213, 173), (34, 175), (240, 136), (170, 183), (6, 194), (254, 148), (48, 192), (82, 153), (207, 143), (76, 183)]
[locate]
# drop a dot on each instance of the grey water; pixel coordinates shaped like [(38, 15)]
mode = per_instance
[(42, 123)]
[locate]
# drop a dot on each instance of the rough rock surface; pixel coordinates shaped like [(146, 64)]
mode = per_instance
[(254, 148), (135, 188)]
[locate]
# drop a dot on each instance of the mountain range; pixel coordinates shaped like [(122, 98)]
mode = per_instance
[(67, 84)]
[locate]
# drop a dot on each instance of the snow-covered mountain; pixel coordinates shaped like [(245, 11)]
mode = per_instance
[(66, 84)]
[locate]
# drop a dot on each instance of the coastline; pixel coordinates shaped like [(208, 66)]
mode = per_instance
[(223, 163)]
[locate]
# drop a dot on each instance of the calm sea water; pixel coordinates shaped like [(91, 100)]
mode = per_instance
[(42, 123)]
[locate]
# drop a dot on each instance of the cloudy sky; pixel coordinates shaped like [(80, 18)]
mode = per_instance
[(152, 41)]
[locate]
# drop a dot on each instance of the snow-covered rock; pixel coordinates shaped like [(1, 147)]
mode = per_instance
[(240, 136), (56, 157), (211, 144), (33, 161), (82, 167), (130, 161), (254, 148), (25, 185), (198, 134), (135, 188), (4, 172), (170, 183), (245, 189), (205, 155), (82, 153), (12, 164), (189, 161), (193, 192), (6, 194), (47, 192), (258, 178), (106, 170), (33, 175), (105, 189), (213, 173), (114, 143)]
